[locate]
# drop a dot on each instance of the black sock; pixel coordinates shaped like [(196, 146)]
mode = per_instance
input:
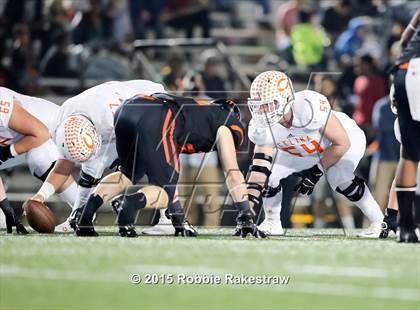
[(131, 204), (92, 205), (177, 213), (9, 213), (5, 206), (391, 213), (136, 201), (406, 206)]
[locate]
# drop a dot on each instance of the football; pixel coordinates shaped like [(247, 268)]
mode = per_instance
[(39, 216)]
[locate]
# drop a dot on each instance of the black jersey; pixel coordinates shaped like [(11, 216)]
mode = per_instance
[(198, 123), (412, 49)]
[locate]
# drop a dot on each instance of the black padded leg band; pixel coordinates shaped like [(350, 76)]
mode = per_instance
[(263, 156), (355, 190)]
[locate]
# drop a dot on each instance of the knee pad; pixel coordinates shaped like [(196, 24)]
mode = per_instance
[(45, 175), (87, 180), (270, 192), (355, 191)]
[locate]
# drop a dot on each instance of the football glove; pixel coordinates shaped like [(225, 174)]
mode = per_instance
[(13, 220), (309, 178), (186, 230), (5, 154), (245, 225), (389, 224), (182, 227)]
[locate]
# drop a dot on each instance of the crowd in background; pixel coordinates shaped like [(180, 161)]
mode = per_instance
[(356, 41)]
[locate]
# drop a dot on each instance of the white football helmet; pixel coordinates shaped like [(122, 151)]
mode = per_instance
[(77, 138), (271, 94)]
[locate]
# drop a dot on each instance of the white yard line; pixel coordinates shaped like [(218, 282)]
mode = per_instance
[(318, 288), (347, 271)]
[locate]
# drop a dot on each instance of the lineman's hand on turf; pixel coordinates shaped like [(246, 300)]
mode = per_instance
[(245, 225), (186, 230), (13, 220), (309, 177)]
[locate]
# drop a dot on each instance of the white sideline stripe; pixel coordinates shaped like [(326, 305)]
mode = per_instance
[(357, 272), (301, 287)]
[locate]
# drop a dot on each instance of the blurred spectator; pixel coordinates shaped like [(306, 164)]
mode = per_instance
[(187, 15), (352, 39), (327, 86), (336, 18), (287, 17), (369, 87), (386, 157), (23, 73), (210, 81), (94, 26), (107, 64), (146, 17), (307, 41), (118, 12), (174, 72), (56, 62), (4, 77)]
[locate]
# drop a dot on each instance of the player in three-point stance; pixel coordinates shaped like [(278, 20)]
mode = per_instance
[(297, 132), (24, 138), (150, 132), (83, 131)]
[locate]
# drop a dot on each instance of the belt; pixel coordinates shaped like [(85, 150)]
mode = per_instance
[(403, 66)]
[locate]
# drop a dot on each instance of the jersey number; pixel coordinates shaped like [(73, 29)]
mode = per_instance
[(309, 150), (4, 106)]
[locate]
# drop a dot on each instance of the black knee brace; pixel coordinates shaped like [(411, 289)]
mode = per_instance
[(355, 190), (257, 200), (87, 180)]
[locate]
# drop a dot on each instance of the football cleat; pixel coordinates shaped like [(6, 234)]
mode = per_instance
[(86, 232), (373, 231), (162, 228), (271, 227), (408, 235), (64, 227)]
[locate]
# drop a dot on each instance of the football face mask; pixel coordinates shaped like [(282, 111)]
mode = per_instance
[(271, 96)]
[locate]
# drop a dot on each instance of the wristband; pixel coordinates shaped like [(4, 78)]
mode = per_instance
[(242, 206), (46, 190), (13, 150)]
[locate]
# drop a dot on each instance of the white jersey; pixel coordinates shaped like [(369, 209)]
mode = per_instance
[(42, 109), (311, 111), (99, 104)]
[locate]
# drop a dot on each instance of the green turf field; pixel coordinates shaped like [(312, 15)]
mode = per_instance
[(326, 270)]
